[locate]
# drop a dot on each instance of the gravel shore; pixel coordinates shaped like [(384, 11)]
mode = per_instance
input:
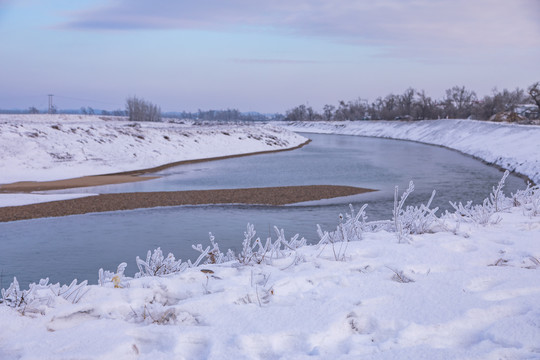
[(128, 201)]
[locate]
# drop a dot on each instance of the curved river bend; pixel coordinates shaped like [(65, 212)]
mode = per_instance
[(77, 246)]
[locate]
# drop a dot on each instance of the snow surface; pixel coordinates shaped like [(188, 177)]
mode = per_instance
[(473, 295), (510, 146), (54, 147)]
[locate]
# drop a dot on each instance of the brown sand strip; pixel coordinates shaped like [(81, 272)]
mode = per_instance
[(128, 201), (116, 178)]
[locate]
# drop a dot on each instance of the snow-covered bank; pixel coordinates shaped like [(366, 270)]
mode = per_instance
[(53, 147), (463, 292), (512, 147), (463, 286)]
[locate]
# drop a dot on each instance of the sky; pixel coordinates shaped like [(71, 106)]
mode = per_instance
[(265, 56)]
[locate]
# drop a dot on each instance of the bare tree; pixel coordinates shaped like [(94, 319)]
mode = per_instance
[(534, 93), (142, 110), (328, 112), (459, 102), (406, 102), (298, 113), (424, 107)]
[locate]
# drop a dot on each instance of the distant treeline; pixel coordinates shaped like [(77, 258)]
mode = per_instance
[(224, 115), (459, 103), (204, 115)]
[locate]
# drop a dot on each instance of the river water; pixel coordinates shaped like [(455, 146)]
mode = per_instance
[(77, 246)]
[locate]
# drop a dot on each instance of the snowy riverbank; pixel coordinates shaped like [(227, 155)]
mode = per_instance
[(459, 286), (512, 147), (462, 290), (53, 147)]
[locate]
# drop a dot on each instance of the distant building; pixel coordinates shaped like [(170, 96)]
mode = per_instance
[(529, 111)]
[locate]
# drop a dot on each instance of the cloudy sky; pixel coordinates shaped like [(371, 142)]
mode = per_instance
[(265, 56)]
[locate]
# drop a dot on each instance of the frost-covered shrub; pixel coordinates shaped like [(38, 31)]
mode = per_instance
[(397, 212), (254, 252), (212, 253), (497, 198), (528, 199), (41, 295), (157, 265), (263, 292), (248, 253), (350, 230), (419, 219), (414, 219), (479, 214), (482, 214), (118, 278)]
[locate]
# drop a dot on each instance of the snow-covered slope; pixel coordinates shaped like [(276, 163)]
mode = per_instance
[(513, 147), (472, 294), (52, 147), (462, 290)]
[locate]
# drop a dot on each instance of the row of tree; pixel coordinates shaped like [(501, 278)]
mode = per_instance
[(458, 102), (142, 110), (224, 115)]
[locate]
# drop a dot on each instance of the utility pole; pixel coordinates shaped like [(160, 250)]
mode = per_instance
[(51, 107)]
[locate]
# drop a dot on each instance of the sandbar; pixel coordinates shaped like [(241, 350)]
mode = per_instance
[(128, 201)]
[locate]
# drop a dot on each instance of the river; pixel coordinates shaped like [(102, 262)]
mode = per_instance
[(77, 246)]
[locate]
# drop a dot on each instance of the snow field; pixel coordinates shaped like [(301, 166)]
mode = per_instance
[(465, 287), (54, 147), (460, 290)]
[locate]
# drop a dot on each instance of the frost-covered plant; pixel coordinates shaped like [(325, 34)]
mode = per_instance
[(72, 292), (25, 300), (212, 253), (42, 294), (117, 278), (418, 219), (155, 313), (497, 197), (156, 264), (356, 223), (400, 277), (397, 212), (263, 292), (349, 230), (248, 254), (292, 244), (483, 214), (254, 252), (479, 214), (412, 219), (528, 199)]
